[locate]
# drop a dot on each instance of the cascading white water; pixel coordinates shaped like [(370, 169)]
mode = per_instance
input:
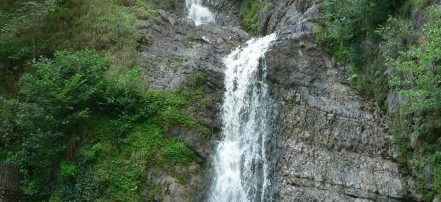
[(198, 13), (241, 168)]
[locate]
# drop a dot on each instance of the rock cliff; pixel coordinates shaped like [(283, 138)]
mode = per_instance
[(181, 56), (334, 144)]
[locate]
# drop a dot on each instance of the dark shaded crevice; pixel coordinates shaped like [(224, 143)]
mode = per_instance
[(265, 25)]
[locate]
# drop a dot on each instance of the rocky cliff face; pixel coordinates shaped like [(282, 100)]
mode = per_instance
[(334, 145), (288, 14), (181, 56)]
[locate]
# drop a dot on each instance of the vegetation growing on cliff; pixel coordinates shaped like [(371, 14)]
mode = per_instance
[(34, 28), (78, 122), (250, 16), (417, 78), (75, 122), (348, 29), (395, 46)]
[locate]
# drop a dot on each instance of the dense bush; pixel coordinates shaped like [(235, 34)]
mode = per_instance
[(21, 23), (348, 29), (417, 78), (346, 23), (34, 28), (80, 123), (76, 123), (250, 16)]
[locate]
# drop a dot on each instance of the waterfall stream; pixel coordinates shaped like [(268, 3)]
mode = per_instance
[(198, 13), (241, 161)]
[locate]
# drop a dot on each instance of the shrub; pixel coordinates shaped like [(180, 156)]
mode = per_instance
[(417, 79), (35, 28), (178, 152), (191, 37), (348, 29), (67, 171), (250, 16), (73, 115)]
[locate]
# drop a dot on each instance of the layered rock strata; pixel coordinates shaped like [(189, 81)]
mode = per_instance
[(336, 145), (178, 55)]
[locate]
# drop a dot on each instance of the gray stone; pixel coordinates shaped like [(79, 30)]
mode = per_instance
[(334, 141), (392, 100), (282, 15), (172, 61), (175, 188)]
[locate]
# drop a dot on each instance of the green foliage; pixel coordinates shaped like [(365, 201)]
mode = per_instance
[(48, 25), (178, 152), (250, 16), (44, 122), (437, 178), (87, 187), (21, 22), (417, 79), (81, 132), (419, 68), (399, 54), (345, 24), (194, 89), (67, 170), (21, 26), (111, 26), (348, 29), (191, 37), (395, 35), (34, 28)]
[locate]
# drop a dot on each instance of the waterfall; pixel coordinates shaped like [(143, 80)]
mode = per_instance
[(198, 13), (241, 161)]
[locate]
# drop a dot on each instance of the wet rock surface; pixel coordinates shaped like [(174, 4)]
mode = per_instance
[(336, 144), (179, 55), (280, 15), (176, 48)]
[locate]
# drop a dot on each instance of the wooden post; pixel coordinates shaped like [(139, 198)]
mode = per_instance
[(9, 175), (10, 182)]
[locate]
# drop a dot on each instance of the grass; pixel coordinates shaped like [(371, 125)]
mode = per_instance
[(95, 134), (43, 27), (191, 37), (250, 17)]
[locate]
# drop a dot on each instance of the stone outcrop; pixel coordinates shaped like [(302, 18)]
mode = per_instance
[(181, 185), (176, 47), (336, 144), (182, 55), (179, 55), (280, 15)]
